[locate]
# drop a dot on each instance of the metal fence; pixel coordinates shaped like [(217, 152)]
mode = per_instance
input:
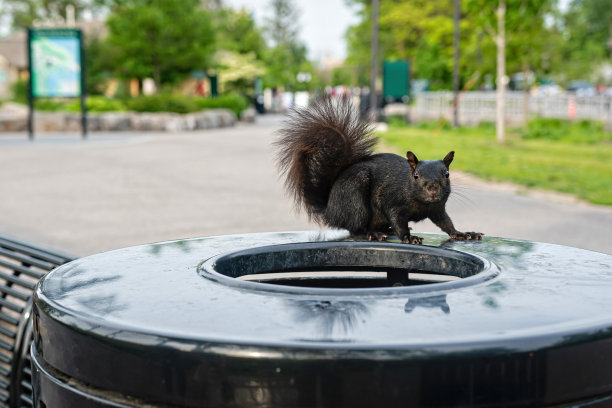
[(476, 107)]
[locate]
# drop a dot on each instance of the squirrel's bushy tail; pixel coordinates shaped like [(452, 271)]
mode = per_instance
[(316, 144)]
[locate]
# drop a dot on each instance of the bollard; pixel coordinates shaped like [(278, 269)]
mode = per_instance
[(315, 319)]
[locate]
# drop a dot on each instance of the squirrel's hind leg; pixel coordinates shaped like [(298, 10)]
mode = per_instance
[(399, 223), (348, 205)]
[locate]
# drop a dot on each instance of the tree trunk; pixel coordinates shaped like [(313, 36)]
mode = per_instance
[(156, 73), (456, 59), (373, 99), (501, 71), (525, 94)]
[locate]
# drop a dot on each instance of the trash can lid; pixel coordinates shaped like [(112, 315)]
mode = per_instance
[(159, 322)]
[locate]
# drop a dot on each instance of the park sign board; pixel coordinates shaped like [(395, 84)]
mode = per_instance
[(57, 68), (55, 63), (396, 80)]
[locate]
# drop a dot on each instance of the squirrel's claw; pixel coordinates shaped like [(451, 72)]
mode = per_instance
[(467, 236), (412, 239), (378, 236)]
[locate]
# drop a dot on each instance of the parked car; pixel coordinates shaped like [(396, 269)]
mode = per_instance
[(582, 88)]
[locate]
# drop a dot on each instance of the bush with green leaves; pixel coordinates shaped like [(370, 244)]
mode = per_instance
[(96, 104), (19, 89), (233, 102), (582, 131), (164, 102)]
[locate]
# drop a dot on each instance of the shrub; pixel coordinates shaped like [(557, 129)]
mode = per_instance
[(49, 105), (546, 128), (233, 102), (439, 124), (396, 121), (486, 125), (96, 104), (582, 131), (19, 89), (161, 103)]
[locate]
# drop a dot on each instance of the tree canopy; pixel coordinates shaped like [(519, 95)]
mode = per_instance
[(162, 40), (540, 38)]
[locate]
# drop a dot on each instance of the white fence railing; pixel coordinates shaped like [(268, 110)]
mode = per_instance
[(476, 107)]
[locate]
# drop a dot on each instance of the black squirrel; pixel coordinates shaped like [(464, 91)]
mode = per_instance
[(326, 154)]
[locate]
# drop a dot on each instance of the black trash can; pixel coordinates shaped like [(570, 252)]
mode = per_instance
[(314, 319)]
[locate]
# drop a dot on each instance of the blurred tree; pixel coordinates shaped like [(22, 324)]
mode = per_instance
[(587, 25), (100, 64), (531, 42), (341, 76), (242, 48), (287, 57), (419, 30), (422, 31), (236, 31), (237, 72), (161, 39), (519, 31), (282, 24), (23, 13)]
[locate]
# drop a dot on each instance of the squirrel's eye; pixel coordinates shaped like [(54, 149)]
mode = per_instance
[(416, 175), (446, 173)]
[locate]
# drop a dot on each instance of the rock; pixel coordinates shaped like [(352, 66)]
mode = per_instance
[(49, 121), (149, 122), (248, 115), (175, 123), (13, 122), (14, 119), (14, 108), (115, 121)]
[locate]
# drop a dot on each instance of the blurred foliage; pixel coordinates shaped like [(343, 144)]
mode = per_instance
[(237, 72), (19, 90), (100, 63), (24, 13), (586, 31), (236, 31), (162, 102), (233, 102), (582, 131), (287, 55), (539, 38), (162, 39), (532, 162), (168, 39)]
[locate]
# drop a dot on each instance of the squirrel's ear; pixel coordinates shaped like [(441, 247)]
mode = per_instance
[(412, 159), (449, 158)]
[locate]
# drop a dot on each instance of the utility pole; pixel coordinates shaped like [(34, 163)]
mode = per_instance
[(373, 99), (456, 58)]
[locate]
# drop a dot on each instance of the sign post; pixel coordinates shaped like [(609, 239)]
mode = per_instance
[(57, 69)]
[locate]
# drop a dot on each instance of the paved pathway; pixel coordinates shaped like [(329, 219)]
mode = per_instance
[(115, 190)]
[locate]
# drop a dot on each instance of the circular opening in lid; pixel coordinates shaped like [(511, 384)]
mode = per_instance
[(347, 267)]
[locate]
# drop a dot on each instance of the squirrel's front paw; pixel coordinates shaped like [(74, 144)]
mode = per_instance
[(467, 236), (412, 239)]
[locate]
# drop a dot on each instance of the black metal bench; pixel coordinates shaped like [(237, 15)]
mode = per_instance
[(21, 266)]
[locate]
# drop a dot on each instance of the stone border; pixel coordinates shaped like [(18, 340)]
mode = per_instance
[(120, 121)]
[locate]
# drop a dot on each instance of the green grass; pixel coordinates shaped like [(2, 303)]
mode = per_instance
[(573, 165)]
